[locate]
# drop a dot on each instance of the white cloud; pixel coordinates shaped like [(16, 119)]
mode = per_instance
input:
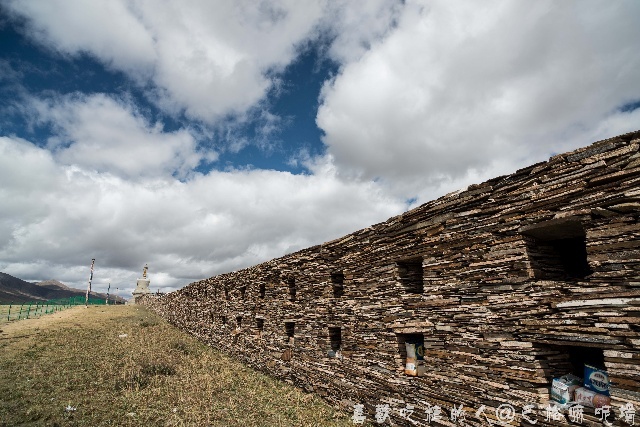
[(208, 59), (214, 58), (355, 26), (110, 30), (462, 91), (55, 218), (109, 135)]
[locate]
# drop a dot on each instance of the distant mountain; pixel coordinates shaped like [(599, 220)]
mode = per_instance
[(14, 290), (54, 284)]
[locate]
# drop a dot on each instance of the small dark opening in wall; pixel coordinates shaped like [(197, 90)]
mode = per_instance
[(260, 324), (226, 293), (407, 338), (335, 337), (337, 282), (411, 275), (243, 291), (292, 288), (290, 328), (263, 290), (557, 250), (579, 356), (411, 365), (239, 321), (224, 320)]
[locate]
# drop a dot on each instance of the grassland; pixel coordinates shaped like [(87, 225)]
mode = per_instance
[(14, 311), (77, 368), (4, 310)]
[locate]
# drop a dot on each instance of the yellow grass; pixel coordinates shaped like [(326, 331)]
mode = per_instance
[(4, 310), (75, 368), (14, 311)]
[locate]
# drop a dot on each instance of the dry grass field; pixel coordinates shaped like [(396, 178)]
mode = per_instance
[(77, 368), (4, 310), (14, 311)]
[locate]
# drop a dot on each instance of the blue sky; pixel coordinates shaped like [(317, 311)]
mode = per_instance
[(204, 137)]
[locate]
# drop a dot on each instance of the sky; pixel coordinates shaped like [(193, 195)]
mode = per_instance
[(203, 137)]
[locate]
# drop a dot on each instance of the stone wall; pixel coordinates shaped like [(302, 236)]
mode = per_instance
[(510, 283)]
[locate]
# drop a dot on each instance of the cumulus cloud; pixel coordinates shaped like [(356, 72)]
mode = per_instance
[(110, 31), (461, 91), (106, 134), (209, 60), (55, 217), (355, 26)]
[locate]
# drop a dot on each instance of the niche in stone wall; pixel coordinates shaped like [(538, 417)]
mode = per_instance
[(292, 288), (243, 291), (560, 360), (337, 284), (335, 340), (260, 324), (411, 351), (290, 330), (557, 249), (238, 322), (411, 275), (564, 359), (262, 290)]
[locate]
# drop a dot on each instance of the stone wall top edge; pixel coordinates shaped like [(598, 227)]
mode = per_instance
[(436, 207)]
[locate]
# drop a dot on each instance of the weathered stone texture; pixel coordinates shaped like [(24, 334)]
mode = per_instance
[(505, 281)]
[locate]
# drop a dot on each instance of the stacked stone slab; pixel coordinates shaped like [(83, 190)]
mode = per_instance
[(507, 282)]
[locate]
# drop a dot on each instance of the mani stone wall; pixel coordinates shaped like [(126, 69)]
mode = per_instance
[(510, 283)]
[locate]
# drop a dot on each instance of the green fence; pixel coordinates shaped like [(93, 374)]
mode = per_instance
[(33, 309)]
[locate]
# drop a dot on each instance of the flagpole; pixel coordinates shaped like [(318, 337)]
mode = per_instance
[(86, 300)]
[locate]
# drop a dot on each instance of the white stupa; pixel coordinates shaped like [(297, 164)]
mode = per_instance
[(142, 286)]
